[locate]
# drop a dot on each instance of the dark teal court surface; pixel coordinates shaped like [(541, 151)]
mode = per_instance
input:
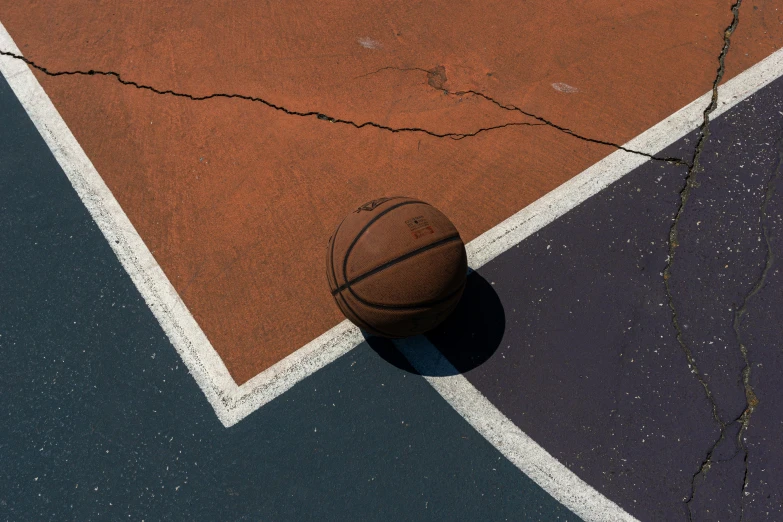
[(100, 420), (570, 335), (588, 361)]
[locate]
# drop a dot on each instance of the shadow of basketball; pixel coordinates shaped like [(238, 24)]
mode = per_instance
[(469, 336)]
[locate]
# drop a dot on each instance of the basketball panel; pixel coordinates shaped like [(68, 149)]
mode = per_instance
[(353, 224), (427, 277), (402, 231), (396, 323), (330, 272)]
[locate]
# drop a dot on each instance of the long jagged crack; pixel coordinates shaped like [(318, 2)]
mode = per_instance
[(433, 78), (314, 114), (432, 75), (688, 186), (752, 400), (676, 161)]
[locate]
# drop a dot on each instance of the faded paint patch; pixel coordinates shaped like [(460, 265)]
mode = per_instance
[(564, 87), (369, 43)]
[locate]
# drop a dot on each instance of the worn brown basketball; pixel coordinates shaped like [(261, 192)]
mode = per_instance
[(396, 267)]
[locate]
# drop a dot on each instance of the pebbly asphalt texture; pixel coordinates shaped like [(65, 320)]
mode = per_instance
[(100, 420), (570, 334), (589, 363)]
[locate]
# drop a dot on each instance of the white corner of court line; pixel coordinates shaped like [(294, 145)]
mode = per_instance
[(232, 403)]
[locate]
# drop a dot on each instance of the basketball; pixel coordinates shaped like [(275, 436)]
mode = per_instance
[(396, 267)]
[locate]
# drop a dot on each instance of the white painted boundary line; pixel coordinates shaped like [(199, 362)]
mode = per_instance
[(534, 461), (231, 402), (201, 359), (610, 169)]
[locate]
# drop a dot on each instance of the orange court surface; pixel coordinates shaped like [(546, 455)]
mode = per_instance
[(309, 110), (202, 154)]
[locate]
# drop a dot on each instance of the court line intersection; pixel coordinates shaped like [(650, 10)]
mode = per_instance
[(232, 403)]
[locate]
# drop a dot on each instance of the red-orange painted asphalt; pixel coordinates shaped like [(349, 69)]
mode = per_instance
[(237, 199)]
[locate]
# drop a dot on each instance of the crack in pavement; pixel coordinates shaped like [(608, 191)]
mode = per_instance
[(694, 168), (750, 396), (321, 116), (675, 161), (436, 77), (393, 68), (689, 184)]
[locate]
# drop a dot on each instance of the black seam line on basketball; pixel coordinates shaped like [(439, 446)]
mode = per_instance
[(393, 262), (330, 264), (359, 318), (331, 253), (321, 116), (413, 306), (345, 301), (385, 200), (364, 229), (334, 241), (348, 285)]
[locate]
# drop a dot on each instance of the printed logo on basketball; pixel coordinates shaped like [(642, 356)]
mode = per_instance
[(372, 205), (419, 226)]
